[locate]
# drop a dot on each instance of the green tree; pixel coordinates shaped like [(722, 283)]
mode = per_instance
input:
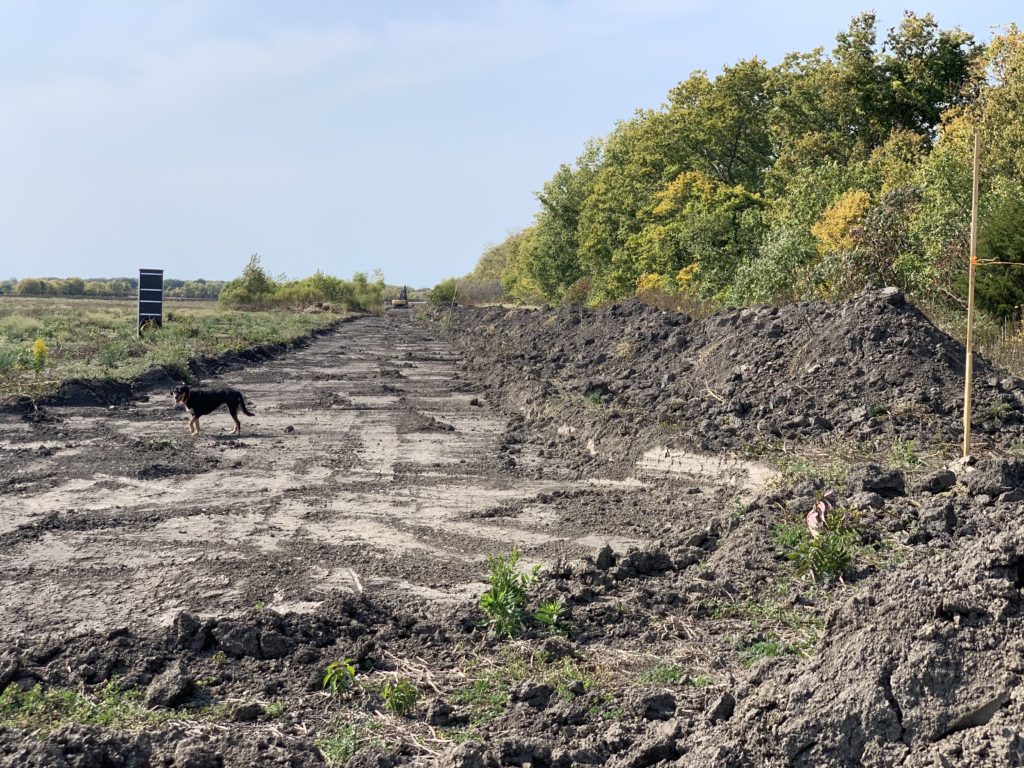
[(698, 220), (999, 290), (254, 287), (443, 292)]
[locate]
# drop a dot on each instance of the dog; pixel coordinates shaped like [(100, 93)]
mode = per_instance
[(199, 402)]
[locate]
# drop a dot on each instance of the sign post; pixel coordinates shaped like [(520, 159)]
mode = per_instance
[(151, 298)]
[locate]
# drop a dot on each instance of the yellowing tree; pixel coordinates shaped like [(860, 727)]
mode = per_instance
[(836, 230)]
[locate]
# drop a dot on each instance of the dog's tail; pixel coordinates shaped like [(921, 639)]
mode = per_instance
[(245, 410)]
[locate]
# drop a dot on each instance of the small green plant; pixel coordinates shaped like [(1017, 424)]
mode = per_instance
[(550, 614), (399, 696), (828, 554), (259, 606), (763, 648), (339, 676), (825, 546), (504, 602), (568, 678), (43, 708), (878, 410), (219, 658), (663, 672), (39, 355), (487, 696), (903, 454), (274, 710), (113, 353), (999, 410), (788, 536), (593, 400), (701, 681), (342, 745)]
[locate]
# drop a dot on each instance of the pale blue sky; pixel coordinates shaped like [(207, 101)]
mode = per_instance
[(340, 136)]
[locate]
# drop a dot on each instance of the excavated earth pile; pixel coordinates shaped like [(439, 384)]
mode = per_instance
[(868, 368), (177, 602)]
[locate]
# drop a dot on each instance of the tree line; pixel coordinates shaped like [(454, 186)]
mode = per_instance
[(104, 287), (253, 289), (256, 289), (811, 179)]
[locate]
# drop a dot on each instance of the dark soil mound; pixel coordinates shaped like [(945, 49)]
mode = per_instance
[(866, 368)]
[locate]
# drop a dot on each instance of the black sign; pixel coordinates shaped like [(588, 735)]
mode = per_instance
[(151, 297)]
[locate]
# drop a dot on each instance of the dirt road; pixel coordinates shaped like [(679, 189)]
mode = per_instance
[(176, 600), (370, 464)]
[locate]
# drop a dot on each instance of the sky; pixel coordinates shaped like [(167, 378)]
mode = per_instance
[(339, 135)]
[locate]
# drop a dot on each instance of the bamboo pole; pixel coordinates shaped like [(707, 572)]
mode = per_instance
[(969, 366)]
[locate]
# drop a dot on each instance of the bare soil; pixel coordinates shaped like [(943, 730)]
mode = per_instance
[(632, 454)]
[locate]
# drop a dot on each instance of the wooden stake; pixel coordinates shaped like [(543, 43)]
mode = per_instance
[(969, 366)]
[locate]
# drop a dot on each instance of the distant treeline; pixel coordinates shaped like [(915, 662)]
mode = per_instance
[(810, 179), (256, 289), (103, 287)]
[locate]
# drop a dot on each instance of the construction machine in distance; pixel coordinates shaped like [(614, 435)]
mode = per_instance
[(403, 299)]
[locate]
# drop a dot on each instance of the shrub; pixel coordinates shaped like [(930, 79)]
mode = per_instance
[(113, 353), (480, 292), (444, 292), (504, 603), (19, 327), (253, 288)]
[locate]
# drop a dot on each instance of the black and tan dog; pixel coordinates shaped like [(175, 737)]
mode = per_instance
[(200, 402)]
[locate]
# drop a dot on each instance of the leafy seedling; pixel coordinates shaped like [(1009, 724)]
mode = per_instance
[(550, 614), (339, 676)]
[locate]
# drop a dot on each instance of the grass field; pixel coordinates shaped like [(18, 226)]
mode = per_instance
[(84, 338)]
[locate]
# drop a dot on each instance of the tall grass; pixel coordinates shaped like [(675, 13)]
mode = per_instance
[(97, 339), (999, 341)]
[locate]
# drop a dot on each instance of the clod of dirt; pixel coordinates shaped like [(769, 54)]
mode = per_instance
[(171, 687), (871, 478), (412, 420)]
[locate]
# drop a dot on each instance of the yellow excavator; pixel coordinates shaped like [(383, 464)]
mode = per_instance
[(403, 299)]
